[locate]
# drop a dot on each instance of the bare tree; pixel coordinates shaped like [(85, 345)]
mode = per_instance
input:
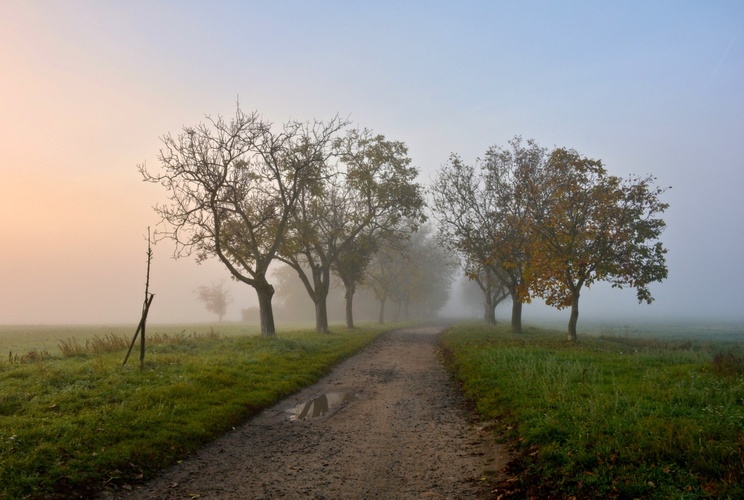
[(232, 186), (216, 298)]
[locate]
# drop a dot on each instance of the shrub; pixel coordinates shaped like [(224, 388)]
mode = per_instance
[(728, 364)]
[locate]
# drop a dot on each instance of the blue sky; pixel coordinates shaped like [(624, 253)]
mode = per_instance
[(88, 87)]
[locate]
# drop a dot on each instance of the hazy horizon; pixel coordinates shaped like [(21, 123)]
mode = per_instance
[(89, 87)]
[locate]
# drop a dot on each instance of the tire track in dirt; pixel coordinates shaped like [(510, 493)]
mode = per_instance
[(405, 432)]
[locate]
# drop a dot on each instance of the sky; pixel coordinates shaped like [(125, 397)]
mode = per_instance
[(88, 88)]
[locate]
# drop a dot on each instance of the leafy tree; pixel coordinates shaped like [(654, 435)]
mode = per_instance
[(473, 299), (415, 273), (312, 243), (383, 274), (587, 226), (428, 278), (351, 268), (232, 186), (493, 288), (511, 244), (480, 217), (216, 298), (366, 191)]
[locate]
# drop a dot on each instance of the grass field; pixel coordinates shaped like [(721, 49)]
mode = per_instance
[(616, 416), (79, 422), (628, 413)]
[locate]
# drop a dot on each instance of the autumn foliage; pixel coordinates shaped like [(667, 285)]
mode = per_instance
[(587, 226), (556, 220)]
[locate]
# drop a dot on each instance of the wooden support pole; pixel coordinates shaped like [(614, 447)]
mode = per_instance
[(145, 309)]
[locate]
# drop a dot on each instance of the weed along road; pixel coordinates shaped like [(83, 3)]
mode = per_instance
[(387, 423)]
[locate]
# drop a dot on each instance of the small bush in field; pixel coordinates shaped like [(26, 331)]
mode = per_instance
[(728, 364)]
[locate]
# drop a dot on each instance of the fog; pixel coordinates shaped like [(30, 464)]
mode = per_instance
[(89, 87)]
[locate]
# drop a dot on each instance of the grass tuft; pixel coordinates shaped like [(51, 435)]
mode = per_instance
[(112, 342), (32, 356)]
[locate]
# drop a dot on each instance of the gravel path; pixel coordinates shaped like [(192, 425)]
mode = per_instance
[(390, 425)]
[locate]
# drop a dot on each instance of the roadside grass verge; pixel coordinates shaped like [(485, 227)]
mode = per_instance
[(611, 417), (76, 425)]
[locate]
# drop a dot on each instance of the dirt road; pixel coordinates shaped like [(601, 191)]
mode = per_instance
[(387, 423)]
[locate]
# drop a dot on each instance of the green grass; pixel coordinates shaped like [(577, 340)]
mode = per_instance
[(612, 417), (80, 423)]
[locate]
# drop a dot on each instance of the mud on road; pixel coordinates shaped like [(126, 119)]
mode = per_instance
[(387, 423)]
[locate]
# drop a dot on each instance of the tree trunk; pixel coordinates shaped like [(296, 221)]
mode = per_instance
[(571, 337), (321, 314), (489, 310), (381, 317), (492, 316), (349, 296), (321, 282), (265, 292), (516, 317)]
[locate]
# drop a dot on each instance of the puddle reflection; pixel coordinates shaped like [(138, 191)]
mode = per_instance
[(320, 405)]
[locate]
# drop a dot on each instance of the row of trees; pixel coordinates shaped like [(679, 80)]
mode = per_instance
[(529, 222), (318, 196), (409, 278), (330, 200)]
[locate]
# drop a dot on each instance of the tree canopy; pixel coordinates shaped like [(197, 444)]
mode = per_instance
[(215, 297), (587, 226), (367, 186), (322, 198), (232, 187), (547, 224), (480, 217)]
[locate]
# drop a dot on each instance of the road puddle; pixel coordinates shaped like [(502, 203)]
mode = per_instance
[(321, 405)]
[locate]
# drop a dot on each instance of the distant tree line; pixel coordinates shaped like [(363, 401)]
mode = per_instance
[(408, 279), (333, 202)]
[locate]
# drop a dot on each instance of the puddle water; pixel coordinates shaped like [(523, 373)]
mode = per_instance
[(320, 405)]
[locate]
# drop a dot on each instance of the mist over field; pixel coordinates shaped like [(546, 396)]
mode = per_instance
[(89, 88)]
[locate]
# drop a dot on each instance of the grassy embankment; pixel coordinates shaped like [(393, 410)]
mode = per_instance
[(74, 420), (612, 417)]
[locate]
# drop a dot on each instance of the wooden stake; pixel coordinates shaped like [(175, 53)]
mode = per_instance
[(145, 309)]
